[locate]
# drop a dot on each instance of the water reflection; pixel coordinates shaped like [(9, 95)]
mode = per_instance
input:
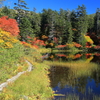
[(76, 83), (93, 57)]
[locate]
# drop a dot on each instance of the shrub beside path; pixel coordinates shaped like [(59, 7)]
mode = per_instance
[(30, 68)]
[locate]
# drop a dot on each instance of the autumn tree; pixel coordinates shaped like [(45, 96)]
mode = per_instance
[(9, 25)]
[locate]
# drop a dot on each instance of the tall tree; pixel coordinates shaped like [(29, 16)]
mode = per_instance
[(91, 23), (35, 20), (82, 24), (47, 22), (19, 8), (61, 25), (97, 22), (25, 29), (69, 27)]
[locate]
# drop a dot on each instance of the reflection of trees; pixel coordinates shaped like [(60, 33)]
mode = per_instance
[(58, 74), (96, 59), (68, 76), (66, 56)]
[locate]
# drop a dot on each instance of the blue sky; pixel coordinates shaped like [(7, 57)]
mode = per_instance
[(91, 5)]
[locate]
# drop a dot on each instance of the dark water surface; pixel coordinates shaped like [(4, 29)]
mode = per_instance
[(69, 83)]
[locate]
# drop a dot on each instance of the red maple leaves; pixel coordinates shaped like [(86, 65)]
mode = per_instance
[(9, 25)]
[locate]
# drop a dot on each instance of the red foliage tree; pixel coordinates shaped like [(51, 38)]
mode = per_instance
[(60, 46), (38, 42), (9, 25), (77, 56), (77, 45), (61, 55)]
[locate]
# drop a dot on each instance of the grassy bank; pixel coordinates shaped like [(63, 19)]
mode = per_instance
[(33, 85)]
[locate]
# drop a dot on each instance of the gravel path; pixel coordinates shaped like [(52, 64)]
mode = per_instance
[(30, 68)]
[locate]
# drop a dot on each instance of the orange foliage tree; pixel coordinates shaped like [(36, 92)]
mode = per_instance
[(9, 25)]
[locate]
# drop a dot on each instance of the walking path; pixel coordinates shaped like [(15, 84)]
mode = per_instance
[(16, 76)]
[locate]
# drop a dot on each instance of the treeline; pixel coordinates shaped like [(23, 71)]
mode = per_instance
[(67, 26)]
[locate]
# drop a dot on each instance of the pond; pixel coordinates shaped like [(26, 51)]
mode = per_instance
[(76, 76)]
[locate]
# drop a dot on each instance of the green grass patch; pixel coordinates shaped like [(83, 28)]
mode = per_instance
[(33, 85), (11, 62)]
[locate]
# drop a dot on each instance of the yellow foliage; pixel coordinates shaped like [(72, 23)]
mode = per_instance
[(8, 45), (88, 39), (89, 59), (6, 40), (51, 44), (51, 56), (44, 36), (27, 45), (70, 45), (1, 41), (14, 40), (20, 68)]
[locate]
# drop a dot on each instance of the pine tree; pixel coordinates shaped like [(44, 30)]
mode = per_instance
[(69, 27), (35, 20), (19, 7), (25, 29), (82, 24), (91, 23), (61, 25), (97, 22), (47, 22)]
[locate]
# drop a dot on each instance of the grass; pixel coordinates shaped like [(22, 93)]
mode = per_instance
[(11, 62), (34, 85), (78, 67)]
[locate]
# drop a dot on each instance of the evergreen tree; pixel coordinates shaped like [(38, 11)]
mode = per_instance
[(47, 22), (35, 20), (19, 8), (25, 29), (69, 27), (61, 25), (5, 11), (91, 23), (82, 24), (97, 22)]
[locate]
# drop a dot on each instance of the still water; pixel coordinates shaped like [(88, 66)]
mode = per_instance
[(81, 81)]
